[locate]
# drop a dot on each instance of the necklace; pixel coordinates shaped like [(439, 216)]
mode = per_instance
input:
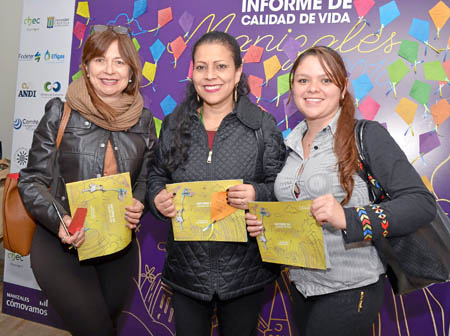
[(200, 114)]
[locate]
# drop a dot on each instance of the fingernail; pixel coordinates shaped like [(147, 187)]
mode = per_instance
[(227, 190), (228, 202), (174, 193)]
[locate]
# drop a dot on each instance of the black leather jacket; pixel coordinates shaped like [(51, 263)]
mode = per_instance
[(81, 156), (200, 269)]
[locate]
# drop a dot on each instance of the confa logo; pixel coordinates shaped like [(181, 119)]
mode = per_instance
[(32, 21)]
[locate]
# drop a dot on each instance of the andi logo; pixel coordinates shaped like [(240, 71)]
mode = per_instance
[(49, 86), (26, 91)]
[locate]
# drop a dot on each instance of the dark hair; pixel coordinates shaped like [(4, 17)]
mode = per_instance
[(190, 104), (344, 142), (96, 46)]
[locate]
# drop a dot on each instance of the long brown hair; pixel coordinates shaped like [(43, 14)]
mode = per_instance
[(96, 46), (344, 140)]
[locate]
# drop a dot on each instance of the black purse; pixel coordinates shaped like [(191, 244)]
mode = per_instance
[(416, 260)]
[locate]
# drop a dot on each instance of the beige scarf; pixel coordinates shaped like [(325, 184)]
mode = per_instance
[(128, 108)]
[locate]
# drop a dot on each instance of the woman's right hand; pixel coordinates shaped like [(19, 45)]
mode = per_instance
[(164, 203), (254, 226), (76, 239)]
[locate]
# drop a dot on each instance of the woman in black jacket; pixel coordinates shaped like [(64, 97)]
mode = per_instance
[(212, 135), (109, 132)]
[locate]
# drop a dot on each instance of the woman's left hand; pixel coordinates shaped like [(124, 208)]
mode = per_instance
[(134, 213), (326, 209), (240, 194)]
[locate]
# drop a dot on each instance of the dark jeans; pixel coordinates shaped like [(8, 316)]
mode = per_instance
[(88, 296), (237, 316), (344, 313)]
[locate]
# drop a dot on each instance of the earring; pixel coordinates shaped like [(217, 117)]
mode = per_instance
[(198, 98), (87, 75), (235, 97), (130, 80)]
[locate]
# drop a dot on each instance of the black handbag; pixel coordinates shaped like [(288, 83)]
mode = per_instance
[(416, 260)]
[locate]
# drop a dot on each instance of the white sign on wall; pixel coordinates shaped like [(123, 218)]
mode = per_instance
[(43, 73)]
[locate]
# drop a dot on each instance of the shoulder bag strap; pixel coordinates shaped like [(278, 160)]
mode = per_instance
[(260, 141), (376, 190), (260, 158), (62, 126), (359, 129)]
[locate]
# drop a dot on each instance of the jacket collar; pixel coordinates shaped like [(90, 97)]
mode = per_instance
[(292, 140), (248, 113)]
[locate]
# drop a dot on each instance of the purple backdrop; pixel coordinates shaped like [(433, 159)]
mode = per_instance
[(425, 312)]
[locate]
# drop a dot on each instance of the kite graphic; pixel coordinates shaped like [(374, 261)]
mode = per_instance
[(271, 67), (149, 72), (361, 87), (362, 8), (253, 54), (439, 14), (421, 91), (406, 109), (435, 71), (140, 7), (178, 46), (409, 50), (369, 108), (186, 21), (427, 142), (397, 71), (388, 13), (420, 30)]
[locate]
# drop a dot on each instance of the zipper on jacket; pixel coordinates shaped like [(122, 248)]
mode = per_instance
[(209, 156)]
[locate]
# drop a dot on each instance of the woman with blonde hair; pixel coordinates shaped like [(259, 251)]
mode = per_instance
[(323, 166)]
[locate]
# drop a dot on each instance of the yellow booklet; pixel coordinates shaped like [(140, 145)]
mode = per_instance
[(204, 215), (105, 199), (291, 235)]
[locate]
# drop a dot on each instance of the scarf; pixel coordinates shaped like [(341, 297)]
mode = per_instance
[(128, 109)]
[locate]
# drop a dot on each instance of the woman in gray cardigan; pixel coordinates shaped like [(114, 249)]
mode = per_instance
[(322, 166)]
